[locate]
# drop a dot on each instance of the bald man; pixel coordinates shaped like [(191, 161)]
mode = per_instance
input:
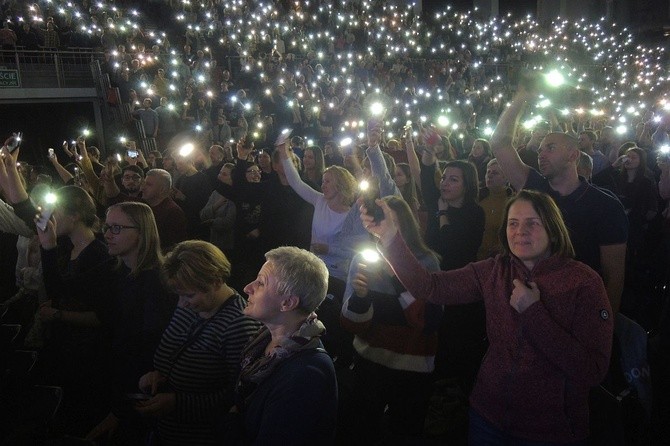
[(597, 222)]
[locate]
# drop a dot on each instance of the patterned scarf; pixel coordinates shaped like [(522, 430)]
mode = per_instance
[(257, 366)]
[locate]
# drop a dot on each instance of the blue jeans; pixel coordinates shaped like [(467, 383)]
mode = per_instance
[(483, 433)]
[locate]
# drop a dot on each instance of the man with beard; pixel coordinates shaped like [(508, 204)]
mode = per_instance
[(131, 181), (155, 191)]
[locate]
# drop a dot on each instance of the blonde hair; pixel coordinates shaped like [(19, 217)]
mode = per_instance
[(345, 183), (149, 246)]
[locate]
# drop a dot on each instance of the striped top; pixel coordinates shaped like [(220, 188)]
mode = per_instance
[(204, 374)]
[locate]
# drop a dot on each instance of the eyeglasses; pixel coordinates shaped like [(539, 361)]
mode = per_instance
[(116, 229), (253, 171)]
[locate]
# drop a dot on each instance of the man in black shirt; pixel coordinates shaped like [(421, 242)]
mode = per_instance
[(597, 221)]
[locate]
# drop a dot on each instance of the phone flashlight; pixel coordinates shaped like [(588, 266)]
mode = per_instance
[(186, 149), (370, 255)]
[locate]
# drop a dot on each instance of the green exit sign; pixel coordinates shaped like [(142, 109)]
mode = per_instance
[(9, 78)]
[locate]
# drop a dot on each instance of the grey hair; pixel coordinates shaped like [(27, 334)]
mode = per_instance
[(299, 273), (163, 175)]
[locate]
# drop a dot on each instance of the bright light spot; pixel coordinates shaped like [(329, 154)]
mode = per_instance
[(554, 78), (50, 198), (377, 108), (442, 121), (186, 149), (370, 255)]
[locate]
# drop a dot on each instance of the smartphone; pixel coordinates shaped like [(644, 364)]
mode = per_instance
[(138, 396), (77, 174), (374, 209), (132, 153), (15, 141), (51, 153), (283, 137), (46, 212)]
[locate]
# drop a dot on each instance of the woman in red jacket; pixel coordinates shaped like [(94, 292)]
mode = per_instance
[(548, 321)]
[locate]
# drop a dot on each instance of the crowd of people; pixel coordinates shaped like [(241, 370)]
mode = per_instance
[(235, 290)]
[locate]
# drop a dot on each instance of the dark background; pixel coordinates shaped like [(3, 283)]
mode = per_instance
[(46, 125)]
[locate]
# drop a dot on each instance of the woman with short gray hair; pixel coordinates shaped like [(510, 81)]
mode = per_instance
[(287, 391)]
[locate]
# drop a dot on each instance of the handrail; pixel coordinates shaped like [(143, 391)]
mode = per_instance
[(48, 68)]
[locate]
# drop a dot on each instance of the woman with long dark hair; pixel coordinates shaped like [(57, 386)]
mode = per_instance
[(455, 229), (479, 156), (631, 181), (313, 166)]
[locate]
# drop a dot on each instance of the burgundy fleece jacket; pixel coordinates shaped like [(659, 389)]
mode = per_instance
[(535, 378)]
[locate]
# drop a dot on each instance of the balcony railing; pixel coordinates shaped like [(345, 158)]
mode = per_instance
[(48, 68)]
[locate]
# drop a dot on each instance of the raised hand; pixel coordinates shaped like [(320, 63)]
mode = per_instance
[(385, 229)]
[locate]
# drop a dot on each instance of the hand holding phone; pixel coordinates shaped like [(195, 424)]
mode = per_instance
[(283, 137), (374, 132), (45, 214), (138, 396), (14, 142), (373, 209)]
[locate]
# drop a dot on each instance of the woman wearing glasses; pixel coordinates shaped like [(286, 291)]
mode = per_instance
[(140, 312), (246, 191)]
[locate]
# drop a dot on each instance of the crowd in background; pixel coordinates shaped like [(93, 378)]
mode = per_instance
[(372, 93)]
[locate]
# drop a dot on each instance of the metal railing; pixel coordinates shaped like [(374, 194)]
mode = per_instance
[(47, 68)]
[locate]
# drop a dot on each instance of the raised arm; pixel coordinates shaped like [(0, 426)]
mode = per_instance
[(412, 158), (293, 178), (501, 141), (63, 173), (442, 287), (644, 139), (10, 180), (109, 186), (87, 167), (378, 166), (660, 136), (10, 223)]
